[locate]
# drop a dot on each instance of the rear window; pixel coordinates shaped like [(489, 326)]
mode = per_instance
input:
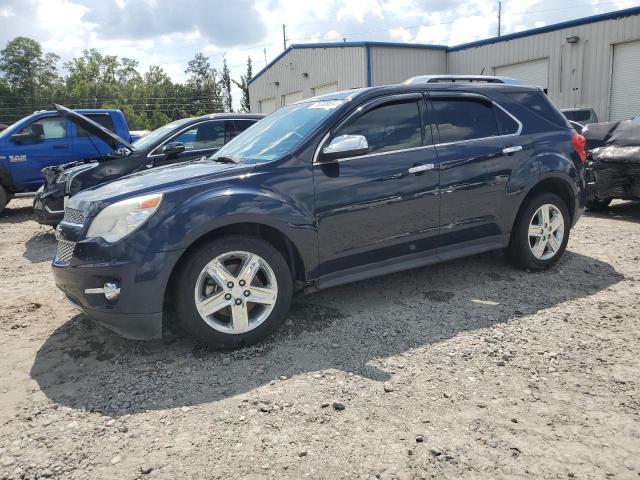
[(105, 120), (538, 103), (464, 119), (578, 115)]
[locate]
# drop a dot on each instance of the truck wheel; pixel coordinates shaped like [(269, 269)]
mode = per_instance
[(4, 198), (598, 204), (541, 232), (233, 291)]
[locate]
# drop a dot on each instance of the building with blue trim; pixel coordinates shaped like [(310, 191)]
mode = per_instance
[(589, 62)]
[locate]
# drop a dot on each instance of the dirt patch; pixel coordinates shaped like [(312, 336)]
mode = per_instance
[(468, 369)]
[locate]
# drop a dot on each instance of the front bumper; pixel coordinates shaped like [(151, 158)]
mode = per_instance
[(142, 278), (48, 206)]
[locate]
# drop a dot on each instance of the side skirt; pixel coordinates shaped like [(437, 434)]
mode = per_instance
[(413, 260)]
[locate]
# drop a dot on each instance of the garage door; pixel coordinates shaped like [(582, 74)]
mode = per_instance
[(292, 98), (324, 89), (625, 87), (267, 105), (535, 72)]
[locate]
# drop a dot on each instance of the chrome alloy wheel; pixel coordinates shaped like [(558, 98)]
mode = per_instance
[(235, 292), (546, 232)]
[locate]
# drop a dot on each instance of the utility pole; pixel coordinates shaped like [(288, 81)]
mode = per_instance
[(264, 50), (499, 17), (284, 35)]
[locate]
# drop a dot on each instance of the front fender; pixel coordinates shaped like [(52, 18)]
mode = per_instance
[(191, 219)]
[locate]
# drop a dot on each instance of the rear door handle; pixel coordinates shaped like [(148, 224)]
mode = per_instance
[(514, 149), (421, 168), (60, 145)]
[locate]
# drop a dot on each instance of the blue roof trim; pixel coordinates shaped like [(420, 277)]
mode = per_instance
[(346, 45), (550, 28)]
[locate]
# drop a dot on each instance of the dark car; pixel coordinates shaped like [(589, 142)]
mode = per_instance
[(323, 192), (175, 142), (613, 170)]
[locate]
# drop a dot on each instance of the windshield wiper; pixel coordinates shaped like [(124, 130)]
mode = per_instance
[(225, 160)]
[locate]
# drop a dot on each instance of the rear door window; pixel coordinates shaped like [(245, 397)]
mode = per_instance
[(389, 127), (460, 119), (104, 120)]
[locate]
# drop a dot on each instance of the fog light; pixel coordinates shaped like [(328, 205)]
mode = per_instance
[(111, 291)]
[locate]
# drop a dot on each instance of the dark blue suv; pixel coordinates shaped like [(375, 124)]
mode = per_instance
[(329, 190)]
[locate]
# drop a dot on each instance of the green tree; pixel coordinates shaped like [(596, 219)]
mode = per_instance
[(27, 70), (243, 85), (206, 92)]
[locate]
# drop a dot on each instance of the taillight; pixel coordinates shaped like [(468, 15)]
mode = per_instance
[(579, 144)]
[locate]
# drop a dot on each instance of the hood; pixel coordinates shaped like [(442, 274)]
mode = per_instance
[(160, 179), (106, 135)]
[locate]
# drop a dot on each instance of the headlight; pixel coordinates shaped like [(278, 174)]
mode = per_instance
[(121, 218)]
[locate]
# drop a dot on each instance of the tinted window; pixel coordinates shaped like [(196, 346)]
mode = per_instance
[(389, 127), (578, 115), (242, 125), (464, 119), (105, 120), (538, 103), (202, 136), (506, 124), (47, 128)]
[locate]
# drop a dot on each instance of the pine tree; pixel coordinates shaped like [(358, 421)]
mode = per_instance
[(226, 86)]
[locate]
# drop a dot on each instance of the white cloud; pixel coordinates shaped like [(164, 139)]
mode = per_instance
[(170, 32)]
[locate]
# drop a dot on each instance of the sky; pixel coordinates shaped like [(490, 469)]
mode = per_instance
[(170, 32)]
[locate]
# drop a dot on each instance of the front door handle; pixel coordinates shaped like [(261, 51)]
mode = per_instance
[(60, 145), (514, 149), (421, 168)]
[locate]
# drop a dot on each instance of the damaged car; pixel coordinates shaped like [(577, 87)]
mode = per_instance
[(613, 171), (178, 141)]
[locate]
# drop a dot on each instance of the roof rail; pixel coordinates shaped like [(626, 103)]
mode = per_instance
[(419, 79)]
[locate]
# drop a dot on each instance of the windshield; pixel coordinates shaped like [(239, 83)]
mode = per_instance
[(152, 138), (278, 134)]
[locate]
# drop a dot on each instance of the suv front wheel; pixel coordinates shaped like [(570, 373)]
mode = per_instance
[(541, 232), (234, 291)]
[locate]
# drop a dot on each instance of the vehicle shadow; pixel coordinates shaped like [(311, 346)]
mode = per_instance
[(41, 247), (16, 211), (626, 211), (353, 328)]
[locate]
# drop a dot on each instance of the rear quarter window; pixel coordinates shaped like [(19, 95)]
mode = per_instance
[(538, 103)]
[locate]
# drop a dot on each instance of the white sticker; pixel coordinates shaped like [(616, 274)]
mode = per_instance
[(326, 104)]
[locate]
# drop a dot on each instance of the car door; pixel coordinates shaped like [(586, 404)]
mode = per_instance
[(383, 204), (200, 139), (479, 145), (49, 145), (86, 145)]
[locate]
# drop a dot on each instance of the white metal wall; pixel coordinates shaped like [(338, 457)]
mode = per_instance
[(625, 81), (391, 65), (534, 72), (579, 73), (322, 66)]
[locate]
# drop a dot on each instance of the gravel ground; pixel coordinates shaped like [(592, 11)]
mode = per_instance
[(466, 369)]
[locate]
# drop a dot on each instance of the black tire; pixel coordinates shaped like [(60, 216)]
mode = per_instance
[(598, 204), (4, 198), (187, 313), (519, 250)]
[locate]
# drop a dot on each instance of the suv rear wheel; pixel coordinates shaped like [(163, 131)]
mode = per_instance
[(541, 232), (233, 291)]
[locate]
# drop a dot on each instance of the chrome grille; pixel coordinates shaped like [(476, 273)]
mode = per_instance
[(65, 250), (72, 215)]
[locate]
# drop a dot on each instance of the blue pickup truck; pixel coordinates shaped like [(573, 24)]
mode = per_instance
[(49, 138)]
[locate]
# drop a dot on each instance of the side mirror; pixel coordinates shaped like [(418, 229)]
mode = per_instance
[(173, 148), (23, 137), (345, 146)]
